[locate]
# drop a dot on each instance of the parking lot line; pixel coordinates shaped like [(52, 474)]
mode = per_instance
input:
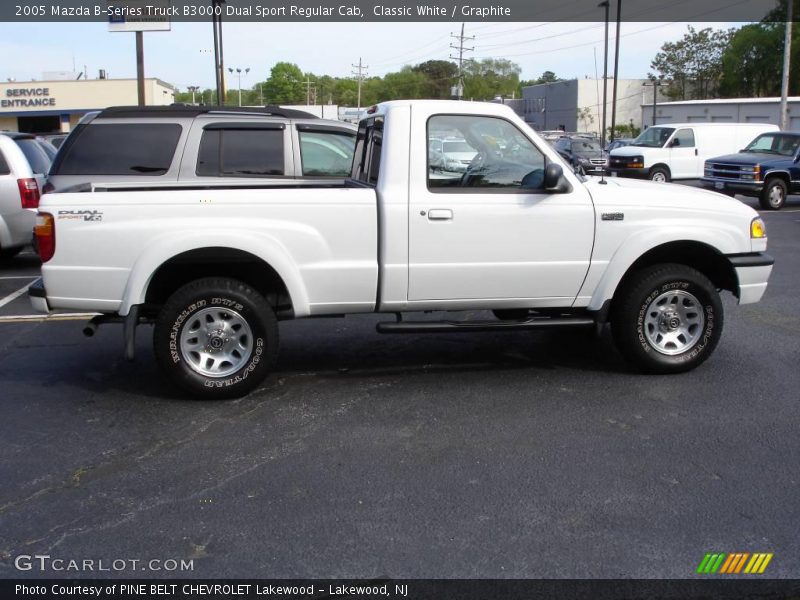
[(11, 297)]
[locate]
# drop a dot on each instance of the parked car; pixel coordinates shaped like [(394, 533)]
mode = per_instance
[(54, 138), (618, 143), (518, 233), (165, 145), (665, 152), (48, 147), (23, 164), (583, 153), (451, 154), (767, 169)]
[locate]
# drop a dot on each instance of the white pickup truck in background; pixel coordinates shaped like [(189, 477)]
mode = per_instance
[(516, 232)]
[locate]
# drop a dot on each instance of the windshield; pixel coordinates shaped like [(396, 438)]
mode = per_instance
[(774, 143), (653, 137), (585, 146)]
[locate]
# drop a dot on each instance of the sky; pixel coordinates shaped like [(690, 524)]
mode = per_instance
[(184, 55)]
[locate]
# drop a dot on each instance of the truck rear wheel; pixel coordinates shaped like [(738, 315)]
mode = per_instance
[(773, 196), (667, 318), (216, 338)]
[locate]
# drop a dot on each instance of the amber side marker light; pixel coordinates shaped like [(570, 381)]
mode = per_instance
[(45, 231), (757, 229)]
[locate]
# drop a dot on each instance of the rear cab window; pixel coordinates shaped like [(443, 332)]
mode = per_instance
[(143, 149)]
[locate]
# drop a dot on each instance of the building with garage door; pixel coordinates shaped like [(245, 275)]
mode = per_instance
[(58, 104), (731, 110)]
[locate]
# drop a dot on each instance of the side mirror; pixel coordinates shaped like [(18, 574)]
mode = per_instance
[(675, 142), (554, 180)]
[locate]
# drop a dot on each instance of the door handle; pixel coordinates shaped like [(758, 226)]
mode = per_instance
[(440, 214), (695, 151)]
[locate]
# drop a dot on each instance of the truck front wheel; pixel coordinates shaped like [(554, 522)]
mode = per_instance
[(667, 318), (773, 196), (216, 338), (659, 175)]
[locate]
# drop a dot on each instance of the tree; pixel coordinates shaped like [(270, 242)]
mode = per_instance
[(693, 64), (285, 85), (490, 77), (752, 65), (441, 77)]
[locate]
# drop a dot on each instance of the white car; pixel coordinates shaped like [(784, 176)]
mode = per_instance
[(23, 165), (215, 267)]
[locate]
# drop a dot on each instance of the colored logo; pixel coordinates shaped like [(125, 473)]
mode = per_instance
[(735, 563)]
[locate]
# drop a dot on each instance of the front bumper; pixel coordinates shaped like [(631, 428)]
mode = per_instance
[(720, 184), (629, 172), (38, 296), (752, 271)]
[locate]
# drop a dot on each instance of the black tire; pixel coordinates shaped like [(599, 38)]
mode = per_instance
[(773, 196), (660, 174), (665, 294), (9, 253), (242, 347)]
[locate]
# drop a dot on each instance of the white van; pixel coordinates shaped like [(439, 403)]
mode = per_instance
[(679, 150)]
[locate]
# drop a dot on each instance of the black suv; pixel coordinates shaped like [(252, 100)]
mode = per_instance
[(162, 145), (583, 153)]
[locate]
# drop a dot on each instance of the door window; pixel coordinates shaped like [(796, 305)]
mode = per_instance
[(241, 152), (481, 153), (683, 139)]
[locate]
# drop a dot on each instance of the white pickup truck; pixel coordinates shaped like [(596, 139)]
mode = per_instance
[(215, 267)]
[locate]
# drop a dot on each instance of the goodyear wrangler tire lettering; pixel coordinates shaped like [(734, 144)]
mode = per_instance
[(216, 338), (667, 318)]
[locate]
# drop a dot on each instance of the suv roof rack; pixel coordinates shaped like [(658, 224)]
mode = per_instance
[(187, 110)]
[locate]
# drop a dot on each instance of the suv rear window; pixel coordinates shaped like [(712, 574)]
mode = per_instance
[(37, 158), (120, 149), (241, 152)]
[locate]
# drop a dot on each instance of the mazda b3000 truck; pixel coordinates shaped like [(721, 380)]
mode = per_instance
[(516, 232)]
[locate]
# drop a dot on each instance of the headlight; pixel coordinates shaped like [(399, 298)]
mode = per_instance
[(757, 229)]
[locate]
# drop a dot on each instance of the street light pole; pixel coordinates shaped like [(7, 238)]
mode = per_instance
[(616, 76), (193, 89), (239, 75)]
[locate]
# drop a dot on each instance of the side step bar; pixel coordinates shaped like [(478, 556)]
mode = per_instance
[(473, 326)]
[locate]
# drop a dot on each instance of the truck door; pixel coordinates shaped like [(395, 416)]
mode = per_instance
[(684, 161), (489, 230)]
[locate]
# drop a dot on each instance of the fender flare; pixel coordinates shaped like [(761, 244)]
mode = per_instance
[(166, 247)]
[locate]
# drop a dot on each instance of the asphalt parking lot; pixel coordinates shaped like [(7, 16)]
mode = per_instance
[(472, 455)]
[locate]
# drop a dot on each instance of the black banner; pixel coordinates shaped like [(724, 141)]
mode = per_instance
[(410, 589)]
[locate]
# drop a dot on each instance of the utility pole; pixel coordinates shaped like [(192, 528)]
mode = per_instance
[(655, 83), (605, 5), (459, 90), (616, 76), (787, 52), (360, 76), (308, 83)]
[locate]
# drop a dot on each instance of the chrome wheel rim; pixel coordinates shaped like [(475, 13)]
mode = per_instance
[(216, 342), (674, 322), (775, 195), (659, 177)]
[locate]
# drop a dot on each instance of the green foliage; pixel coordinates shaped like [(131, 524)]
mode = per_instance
[(490, 77), (285, 85), (693, 64)]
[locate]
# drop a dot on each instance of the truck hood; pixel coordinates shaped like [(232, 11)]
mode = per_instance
[(619, 192), (745, 158)]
